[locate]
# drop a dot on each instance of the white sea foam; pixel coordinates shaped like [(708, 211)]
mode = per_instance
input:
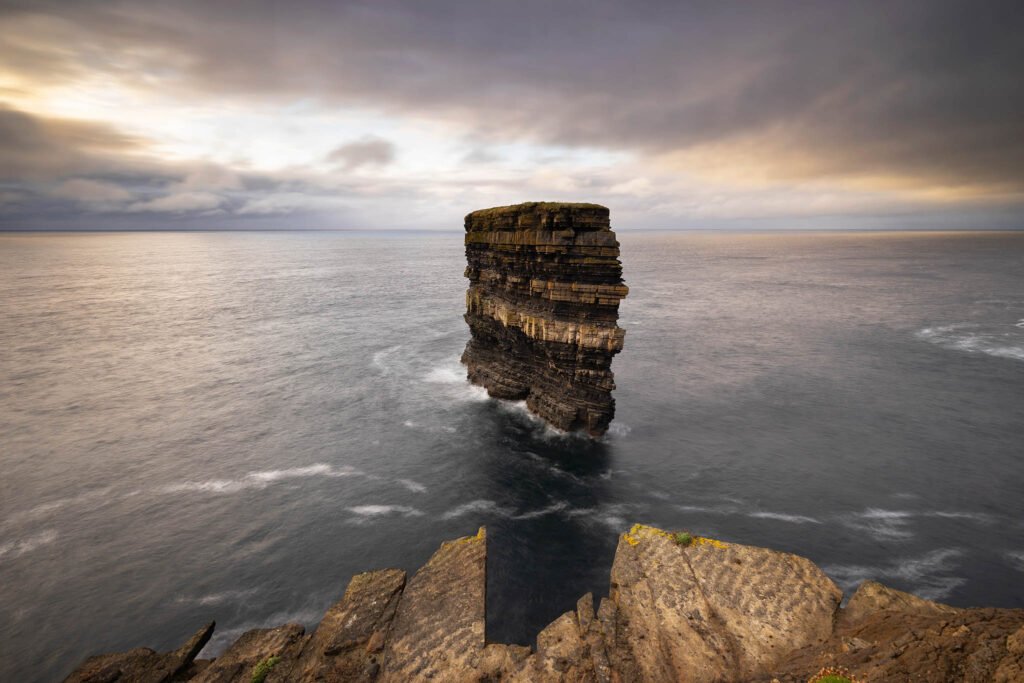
[(979, 517), (19, 547), (925, 574), (215, 598), (382, 510), (446, 375), (1016, 558), (614, 522), (883, 523), (477, 506), (619, 429), (706, 510), (1001, 341), (410, 424), (44, 509), (611, 516), (380, 359), (557, 506), (472, 392), (413, 486), (259, 479), (782, 517)]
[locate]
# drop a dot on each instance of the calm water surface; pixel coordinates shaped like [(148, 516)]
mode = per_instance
[(229, 426)]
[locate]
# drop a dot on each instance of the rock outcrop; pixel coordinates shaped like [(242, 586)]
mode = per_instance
[(679, 609), (542, 306)]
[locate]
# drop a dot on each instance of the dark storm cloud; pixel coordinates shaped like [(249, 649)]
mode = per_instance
[(927, 91)]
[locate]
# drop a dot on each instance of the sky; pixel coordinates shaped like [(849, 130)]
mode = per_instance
[(408, 114)]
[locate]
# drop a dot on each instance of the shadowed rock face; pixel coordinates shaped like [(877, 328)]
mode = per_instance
[(542, 306), (702, 612)]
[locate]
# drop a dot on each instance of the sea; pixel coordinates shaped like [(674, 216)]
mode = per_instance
[(228, 426)]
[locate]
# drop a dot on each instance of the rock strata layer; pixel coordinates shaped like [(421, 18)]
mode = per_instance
[(700, 612), (545, 283)]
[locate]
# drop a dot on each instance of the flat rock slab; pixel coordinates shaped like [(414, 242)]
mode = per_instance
[(253, 647), (347, 645), (712, 611), (438, 631)]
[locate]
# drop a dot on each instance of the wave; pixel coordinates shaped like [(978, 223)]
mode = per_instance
[(446, 375), (451, 374), (979, 517), (1016, 558), (413, 486), (706, 510), (1000, 341), (557, 506), (923, 574), (379, 359), (19, 547), (890, 524), (259, 479), (611, 516), (490, 507), (215, 598), (382, 510), (782, 517), (619, 429), (54, 505), (483, 506)]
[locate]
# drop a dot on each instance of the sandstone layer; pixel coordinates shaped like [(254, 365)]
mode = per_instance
[(698, 611), (545, 283)]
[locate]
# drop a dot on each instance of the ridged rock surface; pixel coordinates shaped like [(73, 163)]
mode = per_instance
[(700, 612), (542, 307)]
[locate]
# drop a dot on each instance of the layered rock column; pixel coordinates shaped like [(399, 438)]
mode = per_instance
[(545, 283)]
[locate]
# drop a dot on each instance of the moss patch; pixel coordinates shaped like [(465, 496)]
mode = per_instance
[(262, 670)]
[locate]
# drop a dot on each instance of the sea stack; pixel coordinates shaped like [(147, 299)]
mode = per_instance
[(545, 283)]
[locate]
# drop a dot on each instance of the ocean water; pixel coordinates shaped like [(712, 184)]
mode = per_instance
[(229, 426)]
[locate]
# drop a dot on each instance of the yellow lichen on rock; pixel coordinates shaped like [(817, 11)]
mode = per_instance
[(638, 531)]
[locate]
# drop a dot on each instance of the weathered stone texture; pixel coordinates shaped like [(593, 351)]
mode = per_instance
[(348, 643), (542, 307), (439, 627), (142, 665)]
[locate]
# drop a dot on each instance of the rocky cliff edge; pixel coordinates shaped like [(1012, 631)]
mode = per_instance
[(680, 608)]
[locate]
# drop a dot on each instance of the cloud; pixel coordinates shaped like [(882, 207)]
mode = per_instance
[(921, 91), (211, 177), (711, 110), (34, 147), (92, 192), (368, 151), (181, 202)]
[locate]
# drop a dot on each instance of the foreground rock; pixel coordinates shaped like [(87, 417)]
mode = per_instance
[(542, 306), (698, 611)]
